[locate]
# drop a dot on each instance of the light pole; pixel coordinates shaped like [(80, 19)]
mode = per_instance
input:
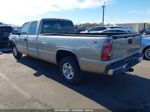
[(103, 18)]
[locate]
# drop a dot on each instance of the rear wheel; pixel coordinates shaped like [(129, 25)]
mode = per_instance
[(16, 54), (147, 53), (70, 70)]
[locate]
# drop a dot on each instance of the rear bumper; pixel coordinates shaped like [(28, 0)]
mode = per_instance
[(123, 65)]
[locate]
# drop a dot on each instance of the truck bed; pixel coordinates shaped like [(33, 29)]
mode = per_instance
[(115, 35)]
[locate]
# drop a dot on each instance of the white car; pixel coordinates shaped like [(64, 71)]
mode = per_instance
[(146, 46), (106, 29), (96, 29), (118, 30)]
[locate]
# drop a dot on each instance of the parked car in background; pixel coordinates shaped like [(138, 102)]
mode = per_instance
[(15, 31), (145, 32), (107, 29), (96, 29), (146, 46), (55, 41), (118, 30), (78, 30), (5, 31)]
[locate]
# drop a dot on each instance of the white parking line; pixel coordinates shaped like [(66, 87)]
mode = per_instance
[(26, 95), (1, 56)]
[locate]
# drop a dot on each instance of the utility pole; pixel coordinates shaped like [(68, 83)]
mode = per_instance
[(103, 18), (144, 26)]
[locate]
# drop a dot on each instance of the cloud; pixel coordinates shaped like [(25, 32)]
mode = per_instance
[(14, 11)]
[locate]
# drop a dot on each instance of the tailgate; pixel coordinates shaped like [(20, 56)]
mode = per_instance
[(125, 45)]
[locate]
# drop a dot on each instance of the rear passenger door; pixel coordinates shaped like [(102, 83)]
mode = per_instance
[(47, 44), (32, 39), (21, 40)]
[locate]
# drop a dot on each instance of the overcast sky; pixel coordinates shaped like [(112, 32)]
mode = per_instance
[(80, 11)]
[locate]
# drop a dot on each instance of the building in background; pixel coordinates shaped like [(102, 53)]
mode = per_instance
[(136, 26)]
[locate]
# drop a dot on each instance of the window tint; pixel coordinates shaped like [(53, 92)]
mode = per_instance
[(115, 27), (100, 28), (109, 31), (54, 26), (32, 28), (24, 29), (92, 29), (119, 31), (97, 29)]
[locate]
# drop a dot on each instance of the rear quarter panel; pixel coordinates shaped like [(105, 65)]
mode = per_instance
[(87, 49)]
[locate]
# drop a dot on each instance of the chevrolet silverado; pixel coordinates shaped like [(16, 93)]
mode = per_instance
[(55, 40)]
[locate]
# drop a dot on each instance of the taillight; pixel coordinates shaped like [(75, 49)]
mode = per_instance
[(106, 51)]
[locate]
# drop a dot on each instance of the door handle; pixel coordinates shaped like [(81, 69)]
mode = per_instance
[(44, 42)]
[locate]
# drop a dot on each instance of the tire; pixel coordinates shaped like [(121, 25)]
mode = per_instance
[(147, 53), (16, 54), (70, 71)]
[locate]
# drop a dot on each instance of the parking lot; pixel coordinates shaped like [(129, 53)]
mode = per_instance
[(34, 84)]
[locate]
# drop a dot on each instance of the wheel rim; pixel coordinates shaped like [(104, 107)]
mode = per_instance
[(147, 53), (68, 71), (14, 51)]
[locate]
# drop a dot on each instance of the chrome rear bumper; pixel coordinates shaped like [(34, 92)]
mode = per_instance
[(124, 65)]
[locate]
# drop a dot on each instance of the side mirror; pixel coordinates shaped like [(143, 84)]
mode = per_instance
[(16, 32)]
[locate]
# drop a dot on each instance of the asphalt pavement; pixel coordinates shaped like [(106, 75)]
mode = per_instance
[(30, 83)]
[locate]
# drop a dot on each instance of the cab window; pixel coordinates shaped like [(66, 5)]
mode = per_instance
[(24, 29), (32, 28), (55, 26)]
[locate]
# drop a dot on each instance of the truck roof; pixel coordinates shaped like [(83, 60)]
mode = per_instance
[(59, 19), (55, 19)]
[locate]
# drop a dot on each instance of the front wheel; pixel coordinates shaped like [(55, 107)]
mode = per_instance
[(147, 53), (16, 54), (69, 70)]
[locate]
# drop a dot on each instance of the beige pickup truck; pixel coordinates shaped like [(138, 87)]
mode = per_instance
[(55, 41)]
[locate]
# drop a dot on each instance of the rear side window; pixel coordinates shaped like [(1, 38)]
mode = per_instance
[(100, 29), (109, 31), (57, 26), (32, 28), (24, 29), (97, 29), (92, 29)]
